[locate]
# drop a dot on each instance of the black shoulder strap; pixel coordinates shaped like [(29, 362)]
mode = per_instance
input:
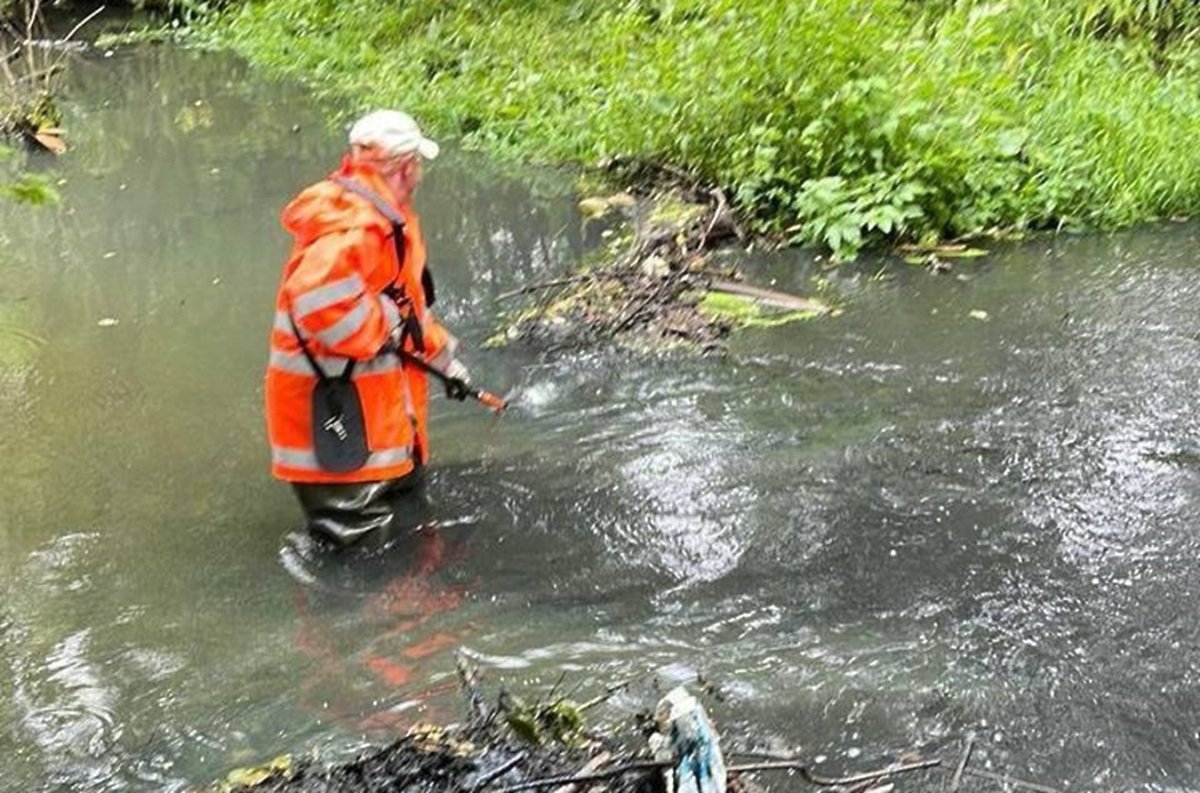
[(359, 189), (345, 375), (427, 285), (397, 221)]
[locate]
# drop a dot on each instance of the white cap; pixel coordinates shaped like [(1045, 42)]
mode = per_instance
[(393, 132)]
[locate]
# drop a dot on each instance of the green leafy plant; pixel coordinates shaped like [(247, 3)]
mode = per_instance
[(841, 212), (841, 124), (28, 188)]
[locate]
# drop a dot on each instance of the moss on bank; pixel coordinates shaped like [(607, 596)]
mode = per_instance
[(840, 123), (747, 312)]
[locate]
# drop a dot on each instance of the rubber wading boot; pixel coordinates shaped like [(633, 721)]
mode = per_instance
[(344, 515)]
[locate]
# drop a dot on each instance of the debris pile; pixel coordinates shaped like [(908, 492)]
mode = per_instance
[(657, 283), (513, 747)]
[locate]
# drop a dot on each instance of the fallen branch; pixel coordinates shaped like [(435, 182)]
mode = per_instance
[(962, 764), (824, 781), (71, 33), (777, 765), (588, 767), (541, 285), (1008, 780), (49, 71), (722, 213), (624, 320), (609, 690), (646, 290), (499, 771), (34, 17), (770, 296), (626, 768)]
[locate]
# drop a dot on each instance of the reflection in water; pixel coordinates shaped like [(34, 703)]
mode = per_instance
[(875, 533), (375, 627)]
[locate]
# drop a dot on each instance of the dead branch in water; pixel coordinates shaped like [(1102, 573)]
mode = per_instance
[(595, 776), (468, 678), (541, 285), (588, 767), (639, 291), (768, 296), (499, 771), (457, 765), (1010, 780), (962, 769), (823, 781), (609, 690), (778, 765), (956, 781), (30, 68)]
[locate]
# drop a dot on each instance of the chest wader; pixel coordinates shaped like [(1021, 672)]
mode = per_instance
[(342, 514), (361, 513)]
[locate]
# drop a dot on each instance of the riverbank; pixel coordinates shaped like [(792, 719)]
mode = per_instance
[(832, 123)]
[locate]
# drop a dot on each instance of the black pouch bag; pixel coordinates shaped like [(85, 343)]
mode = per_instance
[(339, 432)]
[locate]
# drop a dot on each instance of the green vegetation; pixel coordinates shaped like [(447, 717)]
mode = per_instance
[(746, 312), (840, 123), (29, 74), (19, 185)]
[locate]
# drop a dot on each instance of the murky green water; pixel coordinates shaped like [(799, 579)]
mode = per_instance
[(875, 534)]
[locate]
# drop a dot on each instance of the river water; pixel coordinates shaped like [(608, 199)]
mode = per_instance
[(963, 507)]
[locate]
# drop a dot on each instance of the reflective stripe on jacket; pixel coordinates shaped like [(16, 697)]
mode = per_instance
[(343, 259)]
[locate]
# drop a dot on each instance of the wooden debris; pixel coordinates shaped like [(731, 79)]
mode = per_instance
[(801, 767), (589, 768), (434, 759), (499, 771), (1010, 780), (50, 139), (651, 290), (542, 285), (639, 766), (769, 296), (956, 781)]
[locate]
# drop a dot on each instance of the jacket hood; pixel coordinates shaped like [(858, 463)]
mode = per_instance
[(327, 207)]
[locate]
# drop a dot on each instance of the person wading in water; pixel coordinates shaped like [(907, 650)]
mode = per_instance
[(346, 389)]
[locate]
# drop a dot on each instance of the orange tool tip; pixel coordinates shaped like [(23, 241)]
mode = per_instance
[(494, 402)]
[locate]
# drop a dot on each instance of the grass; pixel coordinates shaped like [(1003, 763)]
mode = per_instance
[(841, 123)]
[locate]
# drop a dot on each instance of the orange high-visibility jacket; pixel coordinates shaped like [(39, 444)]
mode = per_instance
[(342, 260)]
